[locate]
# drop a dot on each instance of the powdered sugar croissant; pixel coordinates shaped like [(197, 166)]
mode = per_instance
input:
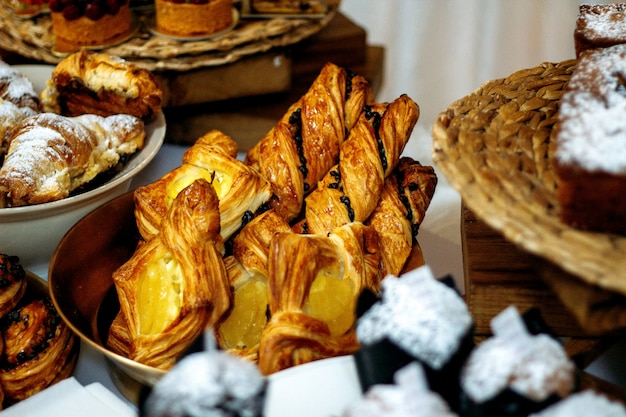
[(50, 156)]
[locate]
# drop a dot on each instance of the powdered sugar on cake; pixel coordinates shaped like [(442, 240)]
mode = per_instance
[(592, 133), (421, 315), (602, 22), (584, 404)]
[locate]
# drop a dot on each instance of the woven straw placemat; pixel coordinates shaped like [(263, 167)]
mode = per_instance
[(33, 38), (494, 147)]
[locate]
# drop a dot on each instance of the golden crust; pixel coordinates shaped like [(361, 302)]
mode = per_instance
[(102, 84), (191, 19)]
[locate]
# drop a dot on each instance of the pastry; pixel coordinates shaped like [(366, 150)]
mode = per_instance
[(287, 6), (175, 285), (313, 285), (396, 218), (90, 23), (599, 26), (208, 383), (588, 156), (304, 144), (351, 189), (195, 18), (583, 404), (102, 84), (50, 155), (12, 283), (408, 395), (10, 116), (414, 317), (18, 89), (515, 372), (39, 350), (240, 189)]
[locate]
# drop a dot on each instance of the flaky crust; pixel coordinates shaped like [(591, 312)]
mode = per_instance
[(16, 88), (351, 189), (52, 155), (182, 259), (305, 143), (102, 84)]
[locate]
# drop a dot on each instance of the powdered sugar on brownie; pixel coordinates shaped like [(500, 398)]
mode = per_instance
[(602, 22), (592, 133), (421, 315)]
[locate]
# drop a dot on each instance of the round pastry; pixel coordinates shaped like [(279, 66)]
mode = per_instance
[(39, 350), (193, 18), (582, 404), (89, 23), (12, 283)]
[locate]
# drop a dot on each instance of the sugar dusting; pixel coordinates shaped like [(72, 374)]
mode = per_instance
[(592, 132), (584, 404), (602, 22), (419, 314), (535, 366), (408, 396)]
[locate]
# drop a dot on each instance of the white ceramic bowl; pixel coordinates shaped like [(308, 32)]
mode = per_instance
[(33, 232)]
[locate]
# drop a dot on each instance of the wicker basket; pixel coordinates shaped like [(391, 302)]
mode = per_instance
[(33, 38), (494, 147)]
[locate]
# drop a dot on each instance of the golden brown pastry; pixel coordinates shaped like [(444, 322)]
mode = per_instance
[(400, 211), (314, 282), (18, 89), (240, 189), (13, 283), (175, 285), (351, 189), (118, 338), (39, 350), (51, 155), (305, 143), (10, 116), (102, 84)]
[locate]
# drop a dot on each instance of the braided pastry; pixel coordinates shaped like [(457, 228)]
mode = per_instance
[(175, 284), (305, 143), (351, 189)]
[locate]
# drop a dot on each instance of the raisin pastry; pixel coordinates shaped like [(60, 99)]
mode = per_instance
[(50, 155), (304, 144), (175, 284), (13, 283)]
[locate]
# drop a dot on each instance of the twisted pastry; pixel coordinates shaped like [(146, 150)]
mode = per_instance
[(304, 144), (400, 211), (351, 189), (51, 155), (175, 284), (314, 282), (240, 189)]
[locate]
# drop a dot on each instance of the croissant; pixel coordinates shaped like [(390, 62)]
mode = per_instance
[(304, 144), (314, 282), (10, 116), (240, 189), (88, 82), (50, 155), (400, 211), (39, 350), (16, 88), (351, 189), (175, 285)]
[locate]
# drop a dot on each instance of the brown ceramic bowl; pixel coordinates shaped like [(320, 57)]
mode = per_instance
[(81, 284)]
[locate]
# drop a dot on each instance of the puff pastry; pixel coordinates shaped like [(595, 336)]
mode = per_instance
[(400, 211), (175, 285), (88, 82), (10, 116), (39, 350), (50, 155), (314, 282), (240, 189), (351, 189), (16, 88), (13, 283), (305, 143)]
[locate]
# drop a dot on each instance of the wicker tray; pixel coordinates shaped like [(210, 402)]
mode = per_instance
[(33, 38), (494, 147)]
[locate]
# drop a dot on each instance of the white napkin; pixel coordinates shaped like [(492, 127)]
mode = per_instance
[(69, 398)]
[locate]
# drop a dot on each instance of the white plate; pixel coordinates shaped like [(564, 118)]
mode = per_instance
[(322, 388)]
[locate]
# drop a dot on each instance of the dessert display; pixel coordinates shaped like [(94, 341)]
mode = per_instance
[(193, 18), (588, 157), (599, 26), (38, 349), (88, 24), (230, 245), (50, 155), (102, 84)]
